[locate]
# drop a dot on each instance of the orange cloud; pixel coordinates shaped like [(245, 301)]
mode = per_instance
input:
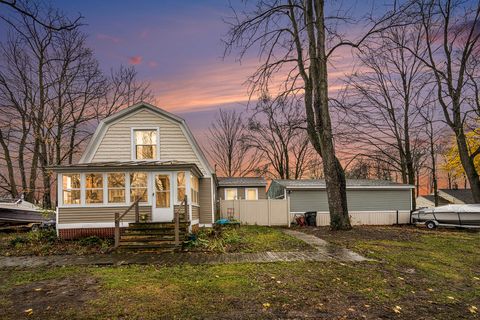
[(135, 60)]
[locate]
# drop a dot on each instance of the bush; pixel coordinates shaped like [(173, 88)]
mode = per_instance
[(90, 241), (44, 235), (18, 240)]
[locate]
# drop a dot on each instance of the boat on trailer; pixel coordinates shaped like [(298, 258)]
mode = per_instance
[(452, 215)]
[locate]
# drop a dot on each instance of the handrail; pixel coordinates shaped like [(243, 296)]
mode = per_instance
[(119, 217), (176, 218)]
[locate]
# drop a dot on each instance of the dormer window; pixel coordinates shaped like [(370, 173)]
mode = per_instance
[(145, 144)]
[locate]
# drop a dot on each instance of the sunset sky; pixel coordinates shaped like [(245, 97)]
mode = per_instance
[(176, 46)]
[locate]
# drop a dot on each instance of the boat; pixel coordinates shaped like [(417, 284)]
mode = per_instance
[(452, 215), (21, 212)]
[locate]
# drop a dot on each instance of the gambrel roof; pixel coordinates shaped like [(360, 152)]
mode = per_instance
[(105, 123)]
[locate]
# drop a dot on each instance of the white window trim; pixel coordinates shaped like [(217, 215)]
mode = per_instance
[(256, 193), (132, 142), (105, 189), (225, 193), (60, 187)]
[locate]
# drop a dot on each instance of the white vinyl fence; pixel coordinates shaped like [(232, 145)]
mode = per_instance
[(260, 212), (369, 218)]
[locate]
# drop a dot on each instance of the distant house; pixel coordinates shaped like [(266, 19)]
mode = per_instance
[(446, 196), (362, 195), (242, 188)]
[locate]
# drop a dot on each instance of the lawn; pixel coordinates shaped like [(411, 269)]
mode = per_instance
[(229, 239), (245, 239), (416, 275)]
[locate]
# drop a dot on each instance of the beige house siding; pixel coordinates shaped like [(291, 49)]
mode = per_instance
[(262, 194), (117, 142), (195, 213), (97, 214), (205, 201)]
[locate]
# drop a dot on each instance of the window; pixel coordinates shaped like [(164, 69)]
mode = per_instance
[(231, 194), (71, 188), (138, 186), (251, 194), (116, 188), (145, 144), (180, 186), (94, 188), (162, 191), (194, 188)]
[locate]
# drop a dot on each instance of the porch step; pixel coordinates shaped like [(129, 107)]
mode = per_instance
[(152, 236)]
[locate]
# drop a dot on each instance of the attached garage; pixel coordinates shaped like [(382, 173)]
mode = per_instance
[(369, 201)]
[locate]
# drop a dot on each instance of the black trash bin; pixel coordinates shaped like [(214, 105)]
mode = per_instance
[(311, 218)]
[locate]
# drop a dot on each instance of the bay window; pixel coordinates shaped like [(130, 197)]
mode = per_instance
[(181, 186), (194, 188), (116, 187), (138, 186), (94, 188), (71, 188)]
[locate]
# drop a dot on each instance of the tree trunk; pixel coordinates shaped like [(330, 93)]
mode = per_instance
[(468, 165)]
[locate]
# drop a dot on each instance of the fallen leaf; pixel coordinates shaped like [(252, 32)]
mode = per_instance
[(472, 309), (278, 281), (413, 291), (38, 289), (397, 309), (351, 309), (476, 278), (400, 278), (217, 276), (367, 306), (266, 305), (430, 289), (451, 298), (29, 312)]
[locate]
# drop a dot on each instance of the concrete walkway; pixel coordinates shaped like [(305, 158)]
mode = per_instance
[(323, 252)]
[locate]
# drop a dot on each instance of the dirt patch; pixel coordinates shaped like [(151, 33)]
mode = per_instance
[(50, 297)]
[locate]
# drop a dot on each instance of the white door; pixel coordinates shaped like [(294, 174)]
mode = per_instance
[(162, 208)]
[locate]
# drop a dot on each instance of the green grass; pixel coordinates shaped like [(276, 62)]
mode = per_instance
[(246, 239), (431, 276)]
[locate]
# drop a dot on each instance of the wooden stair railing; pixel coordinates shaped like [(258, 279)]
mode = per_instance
[(176, 218), (119, 217)]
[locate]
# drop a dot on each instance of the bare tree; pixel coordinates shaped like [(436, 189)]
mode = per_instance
[(297, 38), (384, 100), (449, 30), (52, 93), (32, 10), (275, 131), (231, 156)]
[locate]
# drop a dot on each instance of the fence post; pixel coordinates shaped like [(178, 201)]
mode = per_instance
[(117, 229), (137, 213), (269, 208), (288, 211)]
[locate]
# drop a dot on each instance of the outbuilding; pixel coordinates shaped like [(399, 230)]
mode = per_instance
[(369, 201)]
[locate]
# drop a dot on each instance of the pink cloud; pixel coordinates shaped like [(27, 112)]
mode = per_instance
[(144, 34), (135, 60), (106, 37)]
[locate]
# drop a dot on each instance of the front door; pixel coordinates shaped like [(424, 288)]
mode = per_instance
[(162, 208)]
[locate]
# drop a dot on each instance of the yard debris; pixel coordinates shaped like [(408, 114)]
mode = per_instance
[(430, 289), (397, 309), (473, 309), (476, 278), (451, 298), (266, 305), (29, 312), (400, 278), (38, 289)]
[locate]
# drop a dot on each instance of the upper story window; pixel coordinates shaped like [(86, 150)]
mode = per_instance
[(145, 144)]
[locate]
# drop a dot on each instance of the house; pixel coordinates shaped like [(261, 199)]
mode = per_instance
[(372, 196), (238, 188), (142, 152), (446, 196)]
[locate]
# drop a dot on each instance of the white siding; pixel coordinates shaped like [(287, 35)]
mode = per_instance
[(174, 145)]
